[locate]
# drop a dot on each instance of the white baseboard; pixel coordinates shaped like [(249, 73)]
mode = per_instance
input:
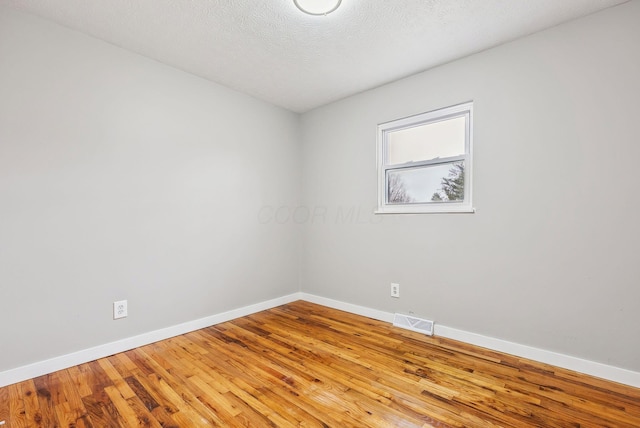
[(40, 368), (592, 368), (603, 371), (348, 307)]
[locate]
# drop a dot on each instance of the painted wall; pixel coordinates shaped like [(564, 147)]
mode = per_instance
[(121, 178), (550, 259)]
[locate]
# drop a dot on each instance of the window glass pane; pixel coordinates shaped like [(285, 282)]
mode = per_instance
[(425, 142), (437, 183)]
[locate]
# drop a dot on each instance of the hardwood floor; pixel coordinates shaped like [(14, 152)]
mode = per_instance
[(306, 365)]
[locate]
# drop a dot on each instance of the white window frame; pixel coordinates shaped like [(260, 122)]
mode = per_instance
[(465, 206)]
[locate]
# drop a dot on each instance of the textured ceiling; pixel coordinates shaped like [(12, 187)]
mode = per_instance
[(271, 50)]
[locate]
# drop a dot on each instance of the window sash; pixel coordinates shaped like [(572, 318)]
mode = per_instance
[(429, 118), (422, 166), (446, 137)]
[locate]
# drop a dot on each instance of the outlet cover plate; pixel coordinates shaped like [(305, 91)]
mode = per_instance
[(395, 290), (120, 309)]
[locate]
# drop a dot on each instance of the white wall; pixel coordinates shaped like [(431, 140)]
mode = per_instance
[(121, 178), (550, 258)]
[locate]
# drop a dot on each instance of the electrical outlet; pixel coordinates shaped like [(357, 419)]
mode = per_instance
[(119, 309), (395, 290)]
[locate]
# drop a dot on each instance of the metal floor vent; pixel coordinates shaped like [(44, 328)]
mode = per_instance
[(413, 324)]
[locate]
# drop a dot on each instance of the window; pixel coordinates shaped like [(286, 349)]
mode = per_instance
[(424, 162)]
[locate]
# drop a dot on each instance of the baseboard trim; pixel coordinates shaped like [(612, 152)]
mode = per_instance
[(348, 307), (592, 368), (603, 371), (40, 368)]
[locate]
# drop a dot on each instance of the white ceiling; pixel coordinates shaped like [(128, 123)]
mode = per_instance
[(271, 50)]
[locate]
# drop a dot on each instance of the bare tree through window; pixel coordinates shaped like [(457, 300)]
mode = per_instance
[(397, 190)]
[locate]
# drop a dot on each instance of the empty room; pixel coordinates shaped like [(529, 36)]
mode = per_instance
[(319, 213)]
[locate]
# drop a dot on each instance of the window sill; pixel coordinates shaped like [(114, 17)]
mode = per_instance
[(404, 209)]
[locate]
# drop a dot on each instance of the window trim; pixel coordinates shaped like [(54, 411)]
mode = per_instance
[(465, 206)]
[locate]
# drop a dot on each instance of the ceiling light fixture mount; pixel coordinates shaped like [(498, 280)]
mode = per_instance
[(317, 7)]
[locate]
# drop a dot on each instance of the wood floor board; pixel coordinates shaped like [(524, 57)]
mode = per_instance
[(305, 365), (31, 403), (17, 412)]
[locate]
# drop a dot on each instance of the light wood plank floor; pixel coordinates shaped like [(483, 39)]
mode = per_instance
[(306, 365)]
